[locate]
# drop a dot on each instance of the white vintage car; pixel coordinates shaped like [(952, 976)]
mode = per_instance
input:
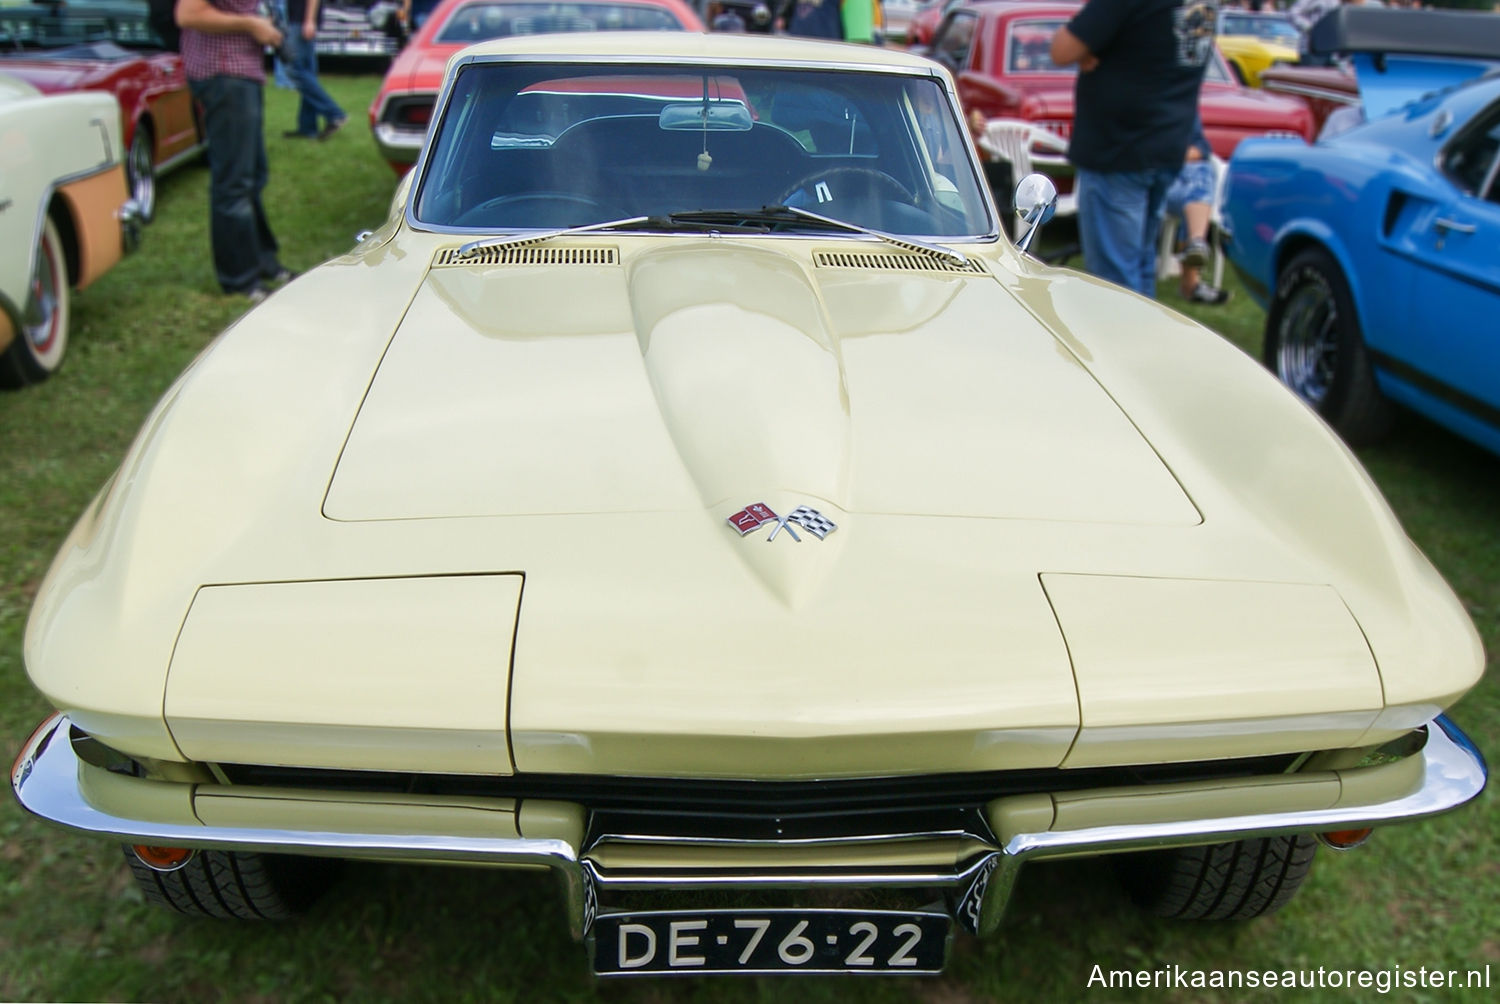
[(65, 218), (688, 488)]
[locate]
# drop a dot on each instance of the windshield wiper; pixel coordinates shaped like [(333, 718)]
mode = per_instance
[(736, 222), (792, 214), (752, 220)]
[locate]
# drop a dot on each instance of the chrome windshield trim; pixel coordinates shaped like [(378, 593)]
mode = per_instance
[(1313, 91), (932, 71)]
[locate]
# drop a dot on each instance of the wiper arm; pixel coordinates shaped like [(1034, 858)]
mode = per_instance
[(783, 214), (674, 221)]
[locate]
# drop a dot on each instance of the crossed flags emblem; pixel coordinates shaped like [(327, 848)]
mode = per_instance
[(758, 514)]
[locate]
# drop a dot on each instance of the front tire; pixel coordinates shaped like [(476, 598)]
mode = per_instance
[(1314, 344), (140, 171), (1237, 880), (42, 339), (235, 885)]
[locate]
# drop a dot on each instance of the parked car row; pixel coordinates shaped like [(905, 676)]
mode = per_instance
[(700, 492), (402, 109), (1000, 53), (91, 112), (65, 217), (109, 46), (1374, 250)]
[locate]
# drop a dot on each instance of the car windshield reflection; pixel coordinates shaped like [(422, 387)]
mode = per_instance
[(533, 146)]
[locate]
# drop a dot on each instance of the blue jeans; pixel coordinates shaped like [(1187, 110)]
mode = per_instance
[(302, 69), (243, 245), (1119, 219)]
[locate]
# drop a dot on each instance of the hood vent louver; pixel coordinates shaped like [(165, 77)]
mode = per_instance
[(530, 256), (893, 262)]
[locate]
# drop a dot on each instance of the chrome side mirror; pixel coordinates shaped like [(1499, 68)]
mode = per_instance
[(1036, 201)]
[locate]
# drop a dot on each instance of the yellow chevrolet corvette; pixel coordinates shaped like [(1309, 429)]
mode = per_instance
[(688, 488), (1253, 43)]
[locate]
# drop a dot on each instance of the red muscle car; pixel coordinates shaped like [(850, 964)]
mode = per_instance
[(999, 51), (109, 46)]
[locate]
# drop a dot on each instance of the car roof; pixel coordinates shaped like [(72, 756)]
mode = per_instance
[(663, 46)]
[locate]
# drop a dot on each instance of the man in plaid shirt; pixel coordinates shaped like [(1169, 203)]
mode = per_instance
[(223, 53)]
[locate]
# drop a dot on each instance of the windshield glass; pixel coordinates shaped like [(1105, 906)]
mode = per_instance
[(1270, 29), (1029, 49), (531, 146), (479, 22)]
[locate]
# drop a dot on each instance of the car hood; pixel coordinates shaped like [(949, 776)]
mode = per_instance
[(52, 76), (724, 374), (417, 513), (418, 69), (1229, 104)]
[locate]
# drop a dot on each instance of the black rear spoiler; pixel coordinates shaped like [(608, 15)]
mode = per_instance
[(1411, 32)]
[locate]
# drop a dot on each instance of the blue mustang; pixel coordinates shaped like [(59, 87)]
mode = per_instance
[(1376, 251)]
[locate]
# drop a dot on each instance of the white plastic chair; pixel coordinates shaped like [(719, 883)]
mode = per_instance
[(1027, 147), (1167, 265)]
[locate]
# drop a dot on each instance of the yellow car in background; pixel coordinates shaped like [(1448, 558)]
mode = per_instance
[(1254, 42)]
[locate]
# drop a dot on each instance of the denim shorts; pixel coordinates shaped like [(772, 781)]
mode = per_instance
[(1194, 183)]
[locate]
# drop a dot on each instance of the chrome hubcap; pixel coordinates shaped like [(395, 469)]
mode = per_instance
[(142, 176), (1308, 343), (41, 317)]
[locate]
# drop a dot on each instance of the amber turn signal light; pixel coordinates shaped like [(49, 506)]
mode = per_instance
[(162, 859), (1343, 840)]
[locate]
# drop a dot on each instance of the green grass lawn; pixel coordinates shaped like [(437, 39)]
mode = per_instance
[(73, 927)]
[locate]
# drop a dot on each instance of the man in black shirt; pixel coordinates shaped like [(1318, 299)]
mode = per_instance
[(1135, 103)]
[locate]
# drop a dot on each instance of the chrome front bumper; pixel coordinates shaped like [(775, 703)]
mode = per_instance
[(398, 146), (976, 871), (131, 220)]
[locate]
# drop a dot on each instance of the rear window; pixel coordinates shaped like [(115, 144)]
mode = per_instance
[(479, 22)]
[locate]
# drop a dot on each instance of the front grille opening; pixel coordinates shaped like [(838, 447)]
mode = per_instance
[(764, 810)]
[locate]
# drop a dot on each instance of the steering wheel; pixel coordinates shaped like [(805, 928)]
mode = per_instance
[(531, 209), (867, 175)]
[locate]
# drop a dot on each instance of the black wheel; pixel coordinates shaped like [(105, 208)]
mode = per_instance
[(42, 339), (235, 885), (140, 171), (1232, 881), (1314, 345), (863, 180)]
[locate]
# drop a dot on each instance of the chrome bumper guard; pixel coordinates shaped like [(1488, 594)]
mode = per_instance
[(46, 779), (397, 144), (131, 220)]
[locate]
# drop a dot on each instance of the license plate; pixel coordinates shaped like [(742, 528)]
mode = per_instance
[(770, 941)]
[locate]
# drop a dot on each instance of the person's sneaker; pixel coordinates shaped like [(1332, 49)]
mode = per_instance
[(1204, 293), (256, 295), (281, 276), (333, 127), (1195, 255)]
